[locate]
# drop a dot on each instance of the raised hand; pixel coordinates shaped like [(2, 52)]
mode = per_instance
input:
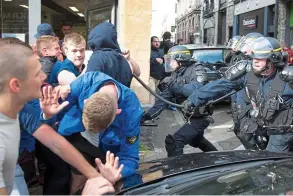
[(126, 53), (49, 103), (110, 170)]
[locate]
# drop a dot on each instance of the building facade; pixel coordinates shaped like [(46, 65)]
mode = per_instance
[(168, 22), (133, 20), (285, 22), (188, 21), (255, 16)]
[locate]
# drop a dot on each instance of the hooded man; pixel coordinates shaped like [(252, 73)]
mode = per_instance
[(107, 56)]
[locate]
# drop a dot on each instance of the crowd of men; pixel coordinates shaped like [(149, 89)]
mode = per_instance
[(72, 117), (77, 119)]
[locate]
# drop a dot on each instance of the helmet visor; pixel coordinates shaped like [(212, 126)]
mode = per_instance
[(170, 63)]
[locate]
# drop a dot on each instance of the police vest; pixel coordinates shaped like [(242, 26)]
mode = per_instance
[(269, 110)]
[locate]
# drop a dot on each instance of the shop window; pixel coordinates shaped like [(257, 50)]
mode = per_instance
[(98, 16), (14, 20)]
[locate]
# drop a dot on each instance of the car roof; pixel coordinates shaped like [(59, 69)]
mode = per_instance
[(200, 47)]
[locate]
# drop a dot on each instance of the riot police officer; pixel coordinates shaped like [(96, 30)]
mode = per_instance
[(241, 50), (243, 46), (185, 70), (266, 90), (231, 47)]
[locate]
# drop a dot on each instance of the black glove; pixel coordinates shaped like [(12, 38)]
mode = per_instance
[(145, 117), (188, 107), (287, 74)]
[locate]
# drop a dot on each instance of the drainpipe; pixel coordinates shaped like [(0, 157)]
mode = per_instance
[(276, 18)]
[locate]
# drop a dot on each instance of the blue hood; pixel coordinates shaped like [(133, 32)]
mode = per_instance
[(104, 37)]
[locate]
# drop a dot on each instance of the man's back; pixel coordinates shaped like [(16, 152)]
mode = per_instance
[(9, 146), (106, 55)]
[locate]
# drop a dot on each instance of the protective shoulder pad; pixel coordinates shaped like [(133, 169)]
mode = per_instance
[(237, 70)]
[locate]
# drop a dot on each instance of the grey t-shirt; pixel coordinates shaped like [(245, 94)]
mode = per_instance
[(9, 146)]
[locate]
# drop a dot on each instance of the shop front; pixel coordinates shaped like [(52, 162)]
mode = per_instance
[(251, 22), (20, 18), (254, 16), (132, 19)]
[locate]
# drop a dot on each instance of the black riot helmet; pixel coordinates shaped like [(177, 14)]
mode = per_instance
[(176, 54), (268, 48), (245, 42), (233, 42)]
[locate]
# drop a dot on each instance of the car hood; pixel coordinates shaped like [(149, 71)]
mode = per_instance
[(153, 171)]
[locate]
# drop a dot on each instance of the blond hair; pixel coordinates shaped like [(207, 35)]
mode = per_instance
[(44, 42), (99, 112), (74, 38)]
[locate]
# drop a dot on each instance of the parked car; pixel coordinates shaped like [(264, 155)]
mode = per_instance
[(212, 57), (217, 173)]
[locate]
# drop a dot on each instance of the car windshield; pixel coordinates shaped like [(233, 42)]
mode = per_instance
[(209, 56)]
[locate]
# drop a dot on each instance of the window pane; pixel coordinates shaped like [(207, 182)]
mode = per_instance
[(14, 19)]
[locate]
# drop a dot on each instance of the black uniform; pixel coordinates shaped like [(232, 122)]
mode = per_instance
[(177, 90)]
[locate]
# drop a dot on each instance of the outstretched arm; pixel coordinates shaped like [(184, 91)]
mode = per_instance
[(214, 90)]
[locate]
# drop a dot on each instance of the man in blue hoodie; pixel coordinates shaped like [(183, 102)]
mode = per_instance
[(108, 111), (107, 56)]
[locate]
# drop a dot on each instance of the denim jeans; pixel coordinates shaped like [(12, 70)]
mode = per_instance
[(280, 143), (19, 186)]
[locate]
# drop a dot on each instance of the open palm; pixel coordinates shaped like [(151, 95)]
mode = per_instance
[(49, 102), (110, 169)]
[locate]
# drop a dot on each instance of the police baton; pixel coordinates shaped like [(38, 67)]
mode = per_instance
[(221, 98)]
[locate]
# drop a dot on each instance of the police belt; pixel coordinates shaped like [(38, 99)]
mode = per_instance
[(278, 130)]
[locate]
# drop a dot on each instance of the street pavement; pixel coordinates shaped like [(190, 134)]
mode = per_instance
[(153, 138)]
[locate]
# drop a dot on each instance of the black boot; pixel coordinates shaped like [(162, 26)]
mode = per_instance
[(171, 147)]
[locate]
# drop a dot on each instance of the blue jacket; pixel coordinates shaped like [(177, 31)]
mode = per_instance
[(219, 88), (29, 120), (124, 128), (106, 55), (61, 66)]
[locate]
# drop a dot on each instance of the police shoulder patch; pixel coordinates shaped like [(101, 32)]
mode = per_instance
[(131, 139)]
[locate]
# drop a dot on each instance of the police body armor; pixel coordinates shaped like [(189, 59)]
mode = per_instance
[(185, 75), (268, 111), (259, 111)]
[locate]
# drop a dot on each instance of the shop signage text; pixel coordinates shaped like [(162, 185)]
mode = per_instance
[(250, 22)]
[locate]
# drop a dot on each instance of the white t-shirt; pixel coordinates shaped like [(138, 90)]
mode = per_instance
[(9, 147), (93, 138)]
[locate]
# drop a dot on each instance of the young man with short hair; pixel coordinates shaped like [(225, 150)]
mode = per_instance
[(48, 50), (19, 84), (108, 111), (65, 72)]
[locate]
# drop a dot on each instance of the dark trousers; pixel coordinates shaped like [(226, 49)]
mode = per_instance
[(192, 134), (26, 160), (57, 175)]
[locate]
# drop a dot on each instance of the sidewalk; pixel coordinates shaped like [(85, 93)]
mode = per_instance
[(153, 138)]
